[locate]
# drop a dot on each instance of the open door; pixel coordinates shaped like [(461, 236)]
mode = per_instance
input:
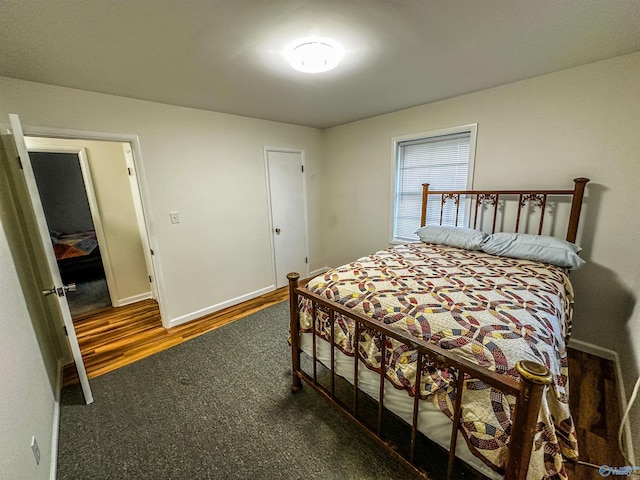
[(57, 290)]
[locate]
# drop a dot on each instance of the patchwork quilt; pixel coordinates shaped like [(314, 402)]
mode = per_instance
[(74, 244), (493, 311)]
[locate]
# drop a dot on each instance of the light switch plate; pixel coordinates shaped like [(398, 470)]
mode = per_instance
[(175, 218)]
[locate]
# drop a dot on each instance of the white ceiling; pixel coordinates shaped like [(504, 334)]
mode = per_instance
[(226, 55)]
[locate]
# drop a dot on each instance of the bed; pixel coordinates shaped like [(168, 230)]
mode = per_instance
[(456, 335), (78, 256)]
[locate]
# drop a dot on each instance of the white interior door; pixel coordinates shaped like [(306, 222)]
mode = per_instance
[(57, 290), (288, 213)]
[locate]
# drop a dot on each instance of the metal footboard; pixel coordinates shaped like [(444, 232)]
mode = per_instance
[(528, 392)]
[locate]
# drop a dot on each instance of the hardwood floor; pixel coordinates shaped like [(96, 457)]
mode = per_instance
[(596, 410), (115, 337)]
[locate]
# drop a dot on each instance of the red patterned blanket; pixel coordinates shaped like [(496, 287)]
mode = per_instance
[(74, 244)]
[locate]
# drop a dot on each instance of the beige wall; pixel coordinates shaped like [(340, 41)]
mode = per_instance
[(115, 203), (630, 371), (541, 132), (207, 166)]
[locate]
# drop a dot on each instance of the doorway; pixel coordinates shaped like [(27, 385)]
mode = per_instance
[(288, 211), (91, 210), (73, 229)]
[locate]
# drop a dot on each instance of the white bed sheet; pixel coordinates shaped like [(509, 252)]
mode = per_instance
[(431, 421)]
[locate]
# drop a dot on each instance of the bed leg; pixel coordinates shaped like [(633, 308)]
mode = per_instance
[(535, 377), (294, 331)]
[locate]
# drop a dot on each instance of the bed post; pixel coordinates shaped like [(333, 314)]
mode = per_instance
[(425, 197), (294, 331), (535, 377), (576, 204)]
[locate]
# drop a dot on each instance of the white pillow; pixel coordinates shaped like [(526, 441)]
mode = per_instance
[(460, 237), (538, 248)]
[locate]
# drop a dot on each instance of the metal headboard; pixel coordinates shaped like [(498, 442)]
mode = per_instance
[(492, 198)]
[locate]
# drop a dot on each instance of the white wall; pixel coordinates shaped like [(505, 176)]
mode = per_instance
[(628, 371), (27, 402), (541, 132), (207, 166)]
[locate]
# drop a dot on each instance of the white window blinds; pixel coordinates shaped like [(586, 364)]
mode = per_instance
[(443, 162)]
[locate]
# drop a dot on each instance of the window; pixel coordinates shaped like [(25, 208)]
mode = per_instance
[(444, 159)]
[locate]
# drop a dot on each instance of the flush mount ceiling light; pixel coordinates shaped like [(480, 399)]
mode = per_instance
[(314, 56)]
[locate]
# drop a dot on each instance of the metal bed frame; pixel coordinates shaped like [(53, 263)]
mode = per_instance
[(534, 376)]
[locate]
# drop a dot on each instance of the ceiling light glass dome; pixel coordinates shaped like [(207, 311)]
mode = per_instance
[(314, 56)]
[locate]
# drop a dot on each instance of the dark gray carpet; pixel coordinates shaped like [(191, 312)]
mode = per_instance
[(89, 296), (216, 407)]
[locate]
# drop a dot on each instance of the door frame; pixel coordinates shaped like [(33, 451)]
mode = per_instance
[(93, 207), (149, 247), (268, 149), (139, 210)]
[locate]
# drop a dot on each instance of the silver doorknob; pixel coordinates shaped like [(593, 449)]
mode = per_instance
[(277, 231), (60, 291)]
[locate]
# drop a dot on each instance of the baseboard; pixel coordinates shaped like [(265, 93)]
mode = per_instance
[(214, 308), (135, 298), (55, 434), (608, 354), (592, 349), (318, 271)]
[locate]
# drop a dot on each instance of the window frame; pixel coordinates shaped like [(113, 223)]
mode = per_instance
[(471, 128)]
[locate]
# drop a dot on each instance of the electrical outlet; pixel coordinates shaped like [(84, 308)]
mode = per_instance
[(175, 218), (36, 449)]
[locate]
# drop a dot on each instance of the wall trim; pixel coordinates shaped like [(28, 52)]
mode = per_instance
[(612, 355), (596, 350), (135, 298), (229, 303), (318, 271), (219, 306), (55, 433)]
